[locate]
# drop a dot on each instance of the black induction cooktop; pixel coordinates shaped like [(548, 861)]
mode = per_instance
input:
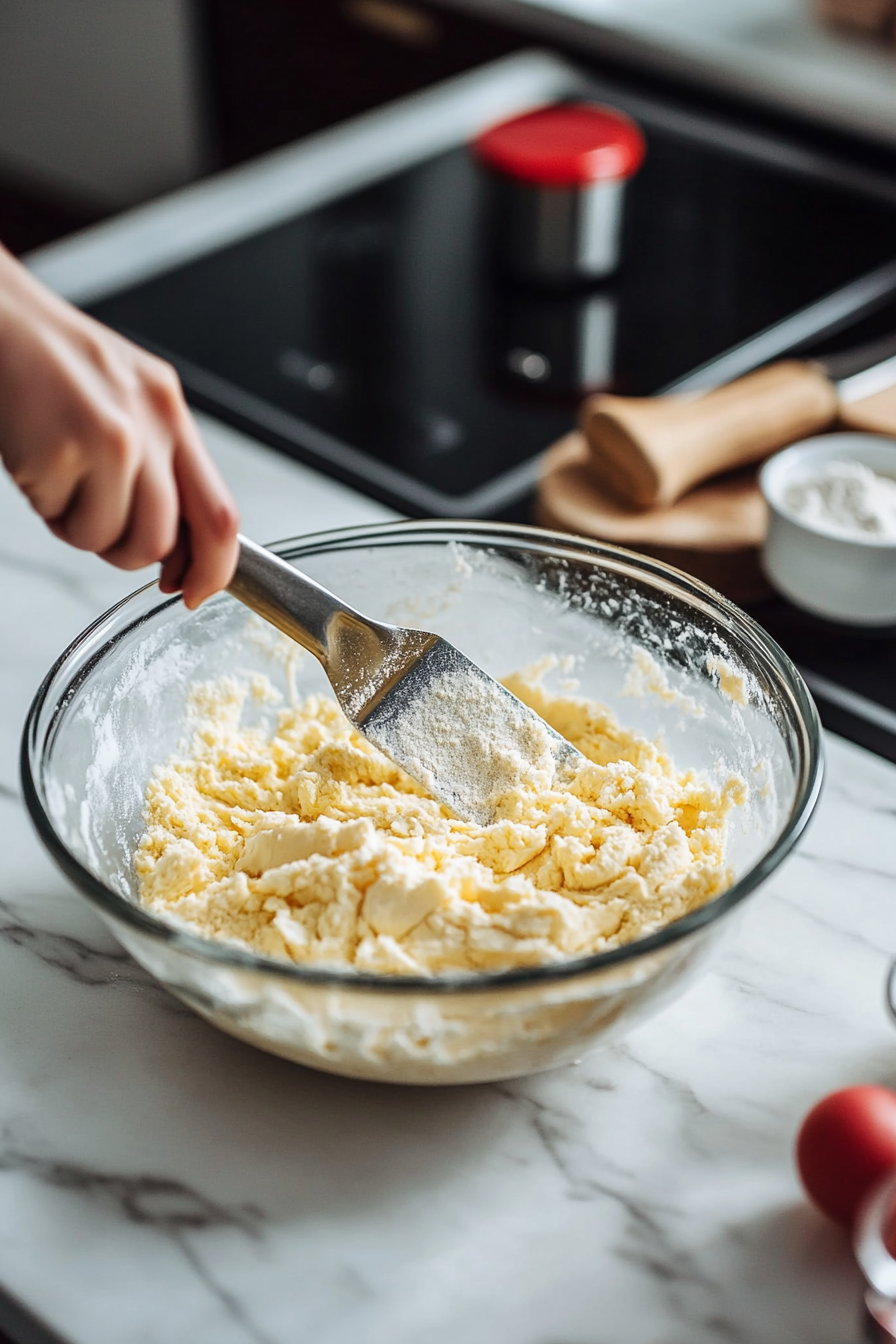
[(369, 329), (376, 335)]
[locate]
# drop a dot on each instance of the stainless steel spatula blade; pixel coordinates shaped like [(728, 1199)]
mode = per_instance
[(422, 702), (463, 735)]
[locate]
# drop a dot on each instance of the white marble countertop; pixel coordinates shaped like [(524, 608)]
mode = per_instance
[(161, 1182)]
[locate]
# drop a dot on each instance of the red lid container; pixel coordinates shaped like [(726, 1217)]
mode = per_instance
[(565, 145)]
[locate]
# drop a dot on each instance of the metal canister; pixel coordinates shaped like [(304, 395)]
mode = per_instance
[(558, 177)]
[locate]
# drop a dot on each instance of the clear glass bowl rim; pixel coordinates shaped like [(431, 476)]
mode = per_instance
[(810, 765)]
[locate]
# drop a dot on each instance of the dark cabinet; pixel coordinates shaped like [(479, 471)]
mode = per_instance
[(275, 70)]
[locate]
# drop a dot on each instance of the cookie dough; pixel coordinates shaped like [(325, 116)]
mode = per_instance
[(303, 842)]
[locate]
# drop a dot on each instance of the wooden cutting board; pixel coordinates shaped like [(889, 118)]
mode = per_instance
[(714, 533)]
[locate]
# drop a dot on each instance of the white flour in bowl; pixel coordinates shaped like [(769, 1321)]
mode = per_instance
[(846, 499)]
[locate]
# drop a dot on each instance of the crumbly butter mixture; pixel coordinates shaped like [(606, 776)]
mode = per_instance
[(306, 843)]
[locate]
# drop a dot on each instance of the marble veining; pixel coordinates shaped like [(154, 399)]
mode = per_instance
[(85, 964), (160, 1181), (169, 1207)]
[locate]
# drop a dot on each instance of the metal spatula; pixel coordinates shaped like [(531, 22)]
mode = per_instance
[(416, 697)]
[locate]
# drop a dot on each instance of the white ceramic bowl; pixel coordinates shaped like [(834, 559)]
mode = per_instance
[(846, 579)]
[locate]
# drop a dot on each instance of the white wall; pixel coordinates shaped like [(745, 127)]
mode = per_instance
[(97, 97)]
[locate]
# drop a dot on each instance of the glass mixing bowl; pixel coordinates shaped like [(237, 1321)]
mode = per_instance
[(667, 654)]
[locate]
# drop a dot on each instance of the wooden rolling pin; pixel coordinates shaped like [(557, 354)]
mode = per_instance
[(649, 451)]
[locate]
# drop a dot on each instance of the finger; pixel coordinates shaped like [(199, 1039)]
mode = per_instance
[(98, 513), (175, 565), (210, 514), (152, 527), (50, 490)]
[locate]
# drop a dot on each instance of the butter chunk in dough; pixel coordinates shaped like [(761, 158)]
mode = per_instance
[(286, 840), (306, 843)]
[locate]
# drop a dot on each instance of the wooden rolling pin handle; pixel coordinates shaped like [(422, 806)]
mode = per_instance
[(650, 451)]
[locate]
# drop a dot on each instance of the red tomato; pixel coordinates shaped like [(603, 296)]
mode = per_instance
[(846, 1143)]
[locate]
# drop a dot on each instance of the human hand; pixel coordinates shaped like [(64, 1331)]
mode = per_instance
[(97, 435)]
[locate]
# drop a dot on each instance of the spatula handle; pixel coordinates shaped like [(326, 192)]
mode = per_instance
[(362, 658), (286, 597), (650, 451)]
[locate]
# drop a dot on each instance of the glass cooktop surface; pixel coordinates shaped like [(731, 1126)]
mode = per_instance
[(376, 335), (373, 333)]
